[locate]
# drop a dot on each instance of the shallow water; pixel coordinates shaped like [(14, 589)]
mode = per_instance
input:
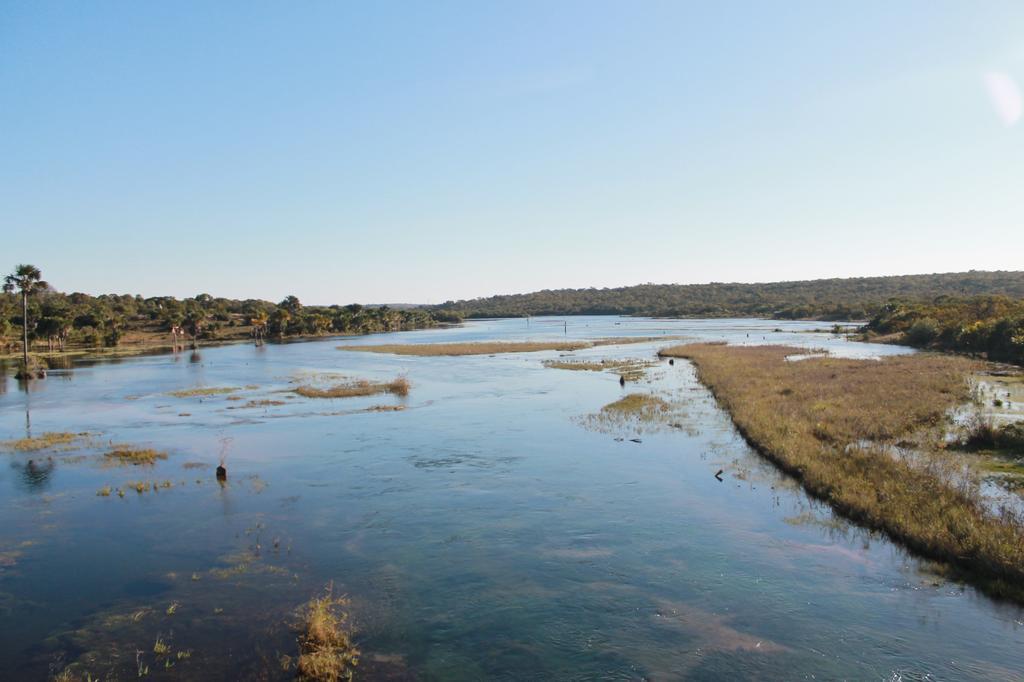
[(482, 532)]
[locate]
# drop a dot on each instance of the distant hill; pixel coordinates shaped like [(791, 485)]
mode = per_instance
[(828, 299)]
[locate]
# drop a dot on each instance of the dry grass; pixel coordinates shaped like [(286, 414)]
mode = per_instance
[(829, 423), (630, 370), (638, 405), (326, 651), (46, 441), (353, 389), (124, 456), (495, 347), (636, 413), (200, 392)]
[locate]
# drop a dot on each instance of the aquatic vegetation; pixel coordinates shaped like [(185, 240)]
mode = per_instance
[(104, 491), (636, 413), (194, 465), (172, 608), (643, 406), (827, 421), (385, 408), (326, 650), (134, 456), (203, 392), (982, 433), (630, 370), (69, 674), (160, 647), (399, 386), (495, 347), (46, 441), (264, 403)]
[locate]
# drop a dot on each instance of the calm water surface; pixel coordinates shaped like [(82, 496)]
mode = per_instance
[(488, 530)]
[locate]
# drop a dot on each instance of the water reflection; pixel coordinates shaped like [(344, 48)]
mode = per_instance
[(35, 476)]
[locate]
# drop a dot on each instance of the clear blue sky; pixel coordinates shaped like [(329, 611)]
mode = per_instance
[(415, 152)]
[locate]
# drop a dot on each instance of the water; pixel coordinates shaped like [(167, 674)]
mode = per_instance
[(482, 532)]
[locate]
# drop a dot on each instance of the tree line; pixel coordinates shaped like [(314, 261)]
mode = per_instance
[(34, 316), (989, 326), (825, 299)]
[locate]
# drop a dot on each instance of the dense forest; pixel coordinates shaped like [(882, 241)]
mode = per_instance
[(826, 299), (991, 326), (58, 321)]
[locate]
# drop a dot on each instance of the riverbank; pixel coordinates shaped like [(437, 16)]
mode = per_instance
[(834, 424)]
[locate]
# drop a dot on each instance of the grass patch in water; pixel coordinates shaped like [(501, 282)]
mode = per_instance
[(200, 392), (326, 651), (830, 423), (630, 370), (495, 347), (264, 403), (641, 406), (134, 456), (635, 413), (352, 389), (46, 441)]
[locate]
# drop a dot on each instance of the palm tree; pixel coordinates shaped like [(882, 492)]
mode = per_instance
[(28, 280)]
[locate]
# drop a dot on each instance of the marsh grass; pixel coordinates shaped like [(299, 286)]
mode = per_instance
[(124, 456), (634, 413), (496, 347), (832, 424), (353, 389), (630, 370), (201, 392), (264, 403), (47, 441), (642, 406), (326, 650)]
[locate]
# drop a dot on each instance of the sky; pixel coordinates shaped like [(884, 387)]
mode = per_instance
[(423, 151)]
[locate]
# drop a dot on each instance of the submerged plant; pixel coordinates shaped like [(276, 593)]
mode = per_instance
[(202, 392)]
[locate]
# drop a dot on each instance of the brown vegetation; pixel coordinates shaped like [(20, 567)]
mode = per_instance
[(201, 392), (352, 389), (136, 456), (630, 370), (326, 651), (46, 441), (494, 347), (829, 422)]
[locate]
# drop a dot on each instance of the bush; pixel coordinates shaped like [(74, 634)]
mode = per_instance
[(923, 332)]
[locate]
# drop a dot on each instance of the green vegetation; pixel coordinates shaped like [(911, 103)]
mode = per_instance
[(399, 386), (26, 280), (495, 347), (831, 424), (53, 322), (989, 326), (827, 299), (326, 651)]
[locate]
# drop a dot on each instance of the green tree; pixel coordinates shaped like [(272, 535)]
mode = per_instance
[(28, 280)]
